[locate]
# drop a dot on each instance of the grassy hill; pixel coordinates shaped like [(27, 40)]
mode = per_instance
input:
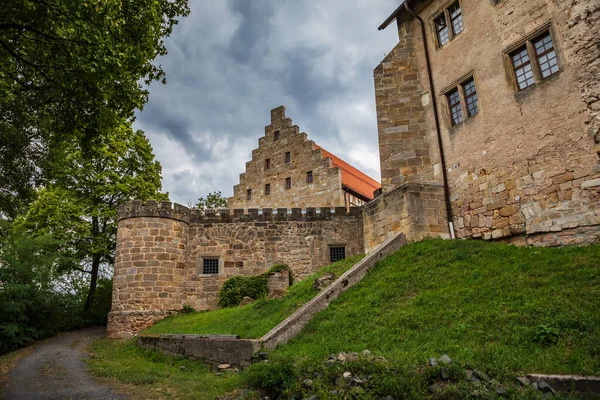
[(498, 308)]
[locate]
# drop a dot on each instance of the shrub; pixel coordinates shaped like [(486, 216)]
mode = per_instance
[(546, 335), (236, 288)]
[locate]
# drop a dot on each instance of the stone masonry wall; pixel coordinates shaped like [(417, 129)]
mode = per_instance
[(526, 167), (415, 209), (324, 191), (160, 245)]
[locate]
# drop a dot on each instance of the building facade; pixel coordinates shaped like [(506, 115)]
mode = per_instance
[(498, 101), (288, 170)]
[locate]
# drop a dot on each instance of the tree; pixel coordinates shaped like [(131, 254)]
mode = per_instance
[(79, 206), (213, 200), (71, 70)]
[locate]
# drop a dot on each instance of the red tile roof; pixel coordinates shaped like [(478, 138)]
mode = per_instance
[(352, 178)]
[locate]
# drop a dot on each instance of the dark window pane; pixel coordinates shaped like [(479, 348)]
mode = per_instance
[(288, 157), (210, 266), (268, 188), (544, 49), (456, 17), (455, 109), (249, 194), (288, 183), (471, 97), (267, 163), (337, 254), (276, 135), (522, 66), (441, 28), (309, 177)]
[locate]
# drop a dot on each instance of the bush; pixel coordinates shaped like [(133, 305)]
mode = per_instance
[(236, 288)]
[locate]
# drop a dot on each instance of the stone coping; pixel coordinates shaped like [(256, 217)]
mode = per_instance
[(169, 210)]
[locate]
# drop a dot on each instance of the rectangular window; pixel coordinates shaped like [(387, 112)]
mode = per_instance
[(337, 253), (268, 189), (210, 266), (544, 49), (522, 66), (268, 163), (288, 157), (456, 18), (309, 177), (276, 135), (441, 27), (249, 194), (471, 97), (288, 183), (455, 109)]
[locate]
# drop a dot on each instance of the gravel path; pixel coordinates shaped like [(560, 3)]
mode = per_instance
[(55, 370)]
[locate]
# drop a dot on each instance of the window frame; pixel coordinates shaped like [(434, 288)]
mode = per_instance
[(288, 157), (459, 87), (276, 135), (444, 13), (288, 183), (267, 189), (528, 43), (267, 163), (309, 177), (248, 194)]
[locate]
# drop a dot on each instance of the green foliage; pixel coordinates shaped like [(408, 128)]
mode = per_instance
[(546, 335), (236, 288), (255, 319), (187, 309), (213, 200), (71, 71), (276, 379), (79, 205)]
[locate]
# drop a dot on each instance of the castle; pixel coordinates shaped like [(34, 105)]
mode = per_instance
[(489, 127)]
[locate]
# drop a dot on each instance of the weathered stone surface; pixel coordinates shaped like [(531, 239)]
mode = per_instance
[(324, 281)]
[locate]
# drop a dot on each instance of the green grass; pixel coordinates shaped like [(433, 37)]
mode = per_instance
[(253, 320), (152, 375), (498, 308), (485, 304)]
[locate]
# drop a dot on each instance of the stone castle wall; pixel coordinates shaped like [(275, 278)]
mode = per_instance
[(526, 167), (160, 246), (324, 191)]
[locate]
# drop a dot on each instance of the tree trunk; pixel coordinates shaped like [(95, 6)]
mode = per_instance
[(89, 302)]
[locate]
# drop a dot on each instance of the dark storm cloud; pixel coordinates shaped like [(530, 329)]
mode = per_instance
[(230, 63)]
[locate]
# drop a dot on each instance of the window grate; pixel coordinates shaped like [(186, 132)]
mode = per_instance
[(210, 266), (249, 194), (288, 157), (288, 183), (522, 65), (268, 163), (455, 109), (471, 97), (337, 253), (268, 189)]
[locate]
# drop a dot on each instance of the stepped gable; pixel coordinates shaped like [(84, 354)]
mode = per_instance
[(352, 178)]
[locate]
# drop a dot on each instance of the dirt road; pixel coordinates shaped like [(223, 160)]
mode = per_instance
[(55, 370)]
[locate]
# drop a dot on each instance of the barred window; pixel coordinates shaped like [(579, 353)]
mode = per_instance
[(268, 189), (210, 266), (544, 49), (522, 66), (455, 109), (288, 183), (249, 194), (288, 157), (337, 253), (441, 28), (456, 18), (309, 177), (471, 97), (268, 163)]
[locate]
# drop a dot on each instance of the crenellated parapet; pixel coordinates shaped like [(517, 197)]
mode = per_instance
[(166, 209)]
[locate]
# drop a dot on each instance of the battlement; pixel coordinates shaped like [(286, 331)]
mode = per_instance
[(167, 209)]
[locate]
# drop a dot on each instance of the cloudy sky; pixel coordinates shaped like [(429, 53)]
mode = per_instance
[(231, 61)]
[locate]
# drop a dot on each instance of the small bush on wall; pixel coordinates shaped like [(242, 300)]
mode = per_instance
[(238, 287)]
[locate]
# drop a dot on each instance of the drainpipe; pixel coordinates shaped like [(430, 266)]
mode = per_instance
[(437, 121)]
